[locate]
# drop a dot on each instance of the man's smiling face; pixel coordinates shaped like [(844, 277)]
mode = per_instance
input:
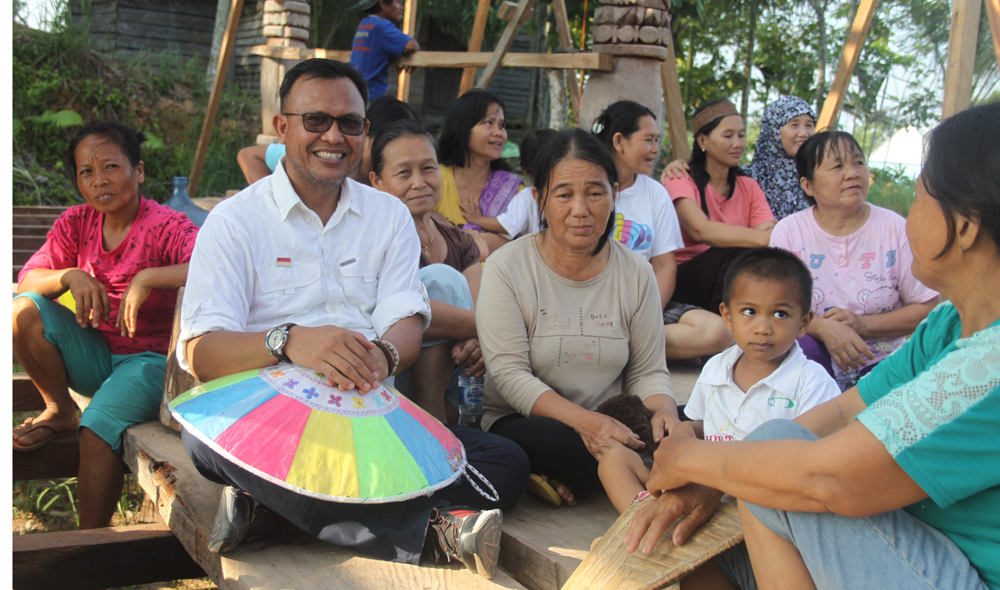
[(321, 161)]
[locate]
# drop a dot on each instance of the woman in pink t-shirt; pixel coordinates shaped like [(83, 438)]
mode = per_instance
[(865, 296), (122, 257), (721, 210)]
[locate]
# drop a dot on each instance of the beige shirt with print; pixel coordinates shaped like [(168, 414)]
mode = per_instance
[(587, 341)]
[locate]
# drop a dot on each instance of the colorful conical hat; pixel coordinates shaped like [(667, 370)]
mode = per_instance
[(287, 426)]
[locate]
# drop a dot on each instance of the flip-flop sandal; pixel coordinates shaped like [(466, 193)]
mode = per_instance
[(544, 490), (31, 424)]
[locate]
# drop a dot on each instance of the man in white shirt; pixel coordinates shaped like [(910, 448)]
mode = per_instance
[(311, 267)]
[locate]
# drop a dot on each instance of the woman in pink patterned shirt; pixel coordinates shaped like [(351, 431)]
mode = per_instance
[(122, 257)]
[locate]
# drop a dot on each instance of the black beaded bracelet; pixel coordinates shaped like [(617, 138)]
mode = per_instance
[(391, 355)]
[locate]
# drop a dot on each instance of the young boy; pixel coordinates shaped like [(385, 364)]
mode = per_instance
[(766, 305), (377, 41)]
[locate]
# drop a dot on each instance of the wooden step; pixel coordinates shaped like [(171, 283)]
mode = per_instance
[(31, 230), (25, 394), (188, 502), (30, 243), (60, 458), (100, 558), (50, 211), (22, 256), (34, 219)]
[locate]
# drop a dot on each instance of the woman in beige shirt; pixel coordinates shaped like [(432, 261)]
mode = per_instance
[(567, 319)]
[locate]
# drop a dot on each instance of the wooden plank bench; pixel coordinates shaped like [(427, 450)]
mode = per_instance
[(29, 228)]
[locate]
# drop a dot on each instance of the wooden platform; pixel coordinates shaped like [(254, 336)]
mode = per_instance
[(187, 503), (541, 547)]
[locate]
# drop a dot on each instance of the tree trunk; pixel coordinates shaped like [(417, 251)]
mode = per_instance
[(748, 66), (819, 6), (690, 64)]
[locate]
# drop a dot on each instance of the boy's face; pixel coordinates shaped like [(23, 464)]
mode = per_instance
[(765, 318)]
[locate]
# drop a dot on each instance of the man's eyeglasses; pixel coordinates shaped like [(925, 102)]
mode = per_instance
[(321, 122)]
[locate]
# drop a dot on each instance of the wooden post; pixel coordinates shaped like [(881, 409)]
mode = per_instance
[(993, 15), (286, 25), (409, 28), (506, 40), (566, 44), (961, 56), (849, 59), (225, 53), (676, 125), (475, 44)]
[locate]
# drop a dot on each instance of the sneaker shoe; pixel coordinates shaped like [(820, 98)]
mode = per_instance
[(470, 536), (240, 518)]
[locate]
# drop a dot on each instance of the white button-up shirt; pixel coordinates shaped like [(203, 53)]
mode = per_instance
[(796, 386), (263, 258)]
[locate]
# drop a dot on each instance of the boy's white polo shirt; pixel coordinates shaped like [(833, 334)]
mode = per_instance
[(796, 386)]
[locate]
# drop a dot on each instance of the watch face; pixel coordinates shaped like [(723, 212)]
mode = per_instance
[(275, 338)]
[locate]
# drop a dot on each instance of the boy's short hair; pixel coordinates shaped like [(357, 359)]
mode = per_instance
[(531, 148), (771, 264)]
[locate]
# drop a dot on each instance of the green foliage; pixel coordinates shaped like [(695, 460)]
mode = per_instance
[(892, 188), (60, 83)]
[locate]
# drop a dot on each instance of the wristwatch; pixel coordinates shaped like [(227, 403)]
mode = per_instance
[(276, 340), (391, 355)]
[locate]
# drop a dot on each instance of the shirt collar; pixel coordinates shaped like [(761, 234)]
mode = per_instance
[(775, 380), (286, 198)]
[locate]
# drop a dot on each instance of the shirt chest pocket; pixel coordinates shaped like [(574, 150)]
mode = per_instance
[(298, 283), (360, 282)]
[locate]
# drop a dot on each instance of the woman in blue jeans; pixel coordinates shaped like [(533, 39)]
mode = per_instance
[(895, 483)]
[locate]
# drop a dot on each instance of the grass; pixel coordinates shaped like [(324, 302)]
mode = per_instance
[(60, 84)]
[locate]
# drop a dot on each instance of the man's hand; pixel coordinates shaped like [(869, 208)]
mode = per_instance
[(90, 295), (347, 358), (694, 503), (132, 299), (467, 355)]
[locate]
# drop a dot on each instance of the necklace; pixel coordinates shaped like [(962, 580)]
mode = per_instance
[(427, 246)]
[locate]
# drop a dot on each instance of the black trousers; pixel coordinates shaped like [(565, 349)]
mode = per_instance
[(554, 449), (700, 280), (394, 531)]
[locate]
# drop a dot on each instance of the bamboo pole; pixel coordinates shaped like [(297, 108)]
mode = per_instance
[(475, 44), (503, 45), (566, 44), (225, 53), (672, 99), (961, 56), (456, 59), (409, 28), (849, 59)]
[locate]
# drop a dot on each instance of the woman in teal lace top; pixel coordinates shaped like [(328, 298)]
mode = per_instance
[(895, 483)]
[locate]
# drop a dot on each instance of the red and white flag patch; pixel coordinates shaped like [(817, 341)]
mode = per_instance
[(286, 262)]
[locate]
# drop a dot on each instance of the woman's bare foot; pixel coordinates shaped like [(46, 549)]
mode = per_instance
[(564, 492)]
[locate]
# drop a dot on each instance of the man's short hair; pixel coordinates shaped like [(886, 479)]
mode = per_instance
[(324, 69), (771, 264)]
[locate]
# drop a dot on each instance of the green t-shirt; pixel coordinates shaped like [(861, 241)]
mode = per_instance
[(935, 405)]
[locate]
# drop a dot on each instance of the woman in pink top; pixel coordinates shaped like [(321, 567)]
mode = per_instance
[(721, 211), (122, 257), (865, 297)]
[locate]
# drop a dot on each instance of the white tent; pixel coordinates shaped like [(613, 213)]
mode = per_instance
[(904, 148)]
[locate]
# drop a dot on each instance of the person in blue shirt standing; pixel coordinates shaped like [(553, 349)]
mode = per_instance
[(377, 41)]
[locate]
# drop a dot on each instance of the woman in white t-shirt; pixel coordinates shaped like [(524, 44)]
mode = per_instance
[(646, 222)]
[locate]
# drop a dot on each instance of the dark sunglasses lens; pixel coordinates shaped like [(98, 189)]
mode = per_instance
[(351, 125), (317, 122)]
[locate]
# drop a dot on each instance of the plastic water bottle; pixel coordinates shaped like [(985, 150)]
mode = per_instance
[(180, 201), (470, 399)]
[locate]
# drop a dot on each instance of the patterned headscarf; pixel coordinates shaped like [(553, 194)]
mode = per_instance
[(772, 168)]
